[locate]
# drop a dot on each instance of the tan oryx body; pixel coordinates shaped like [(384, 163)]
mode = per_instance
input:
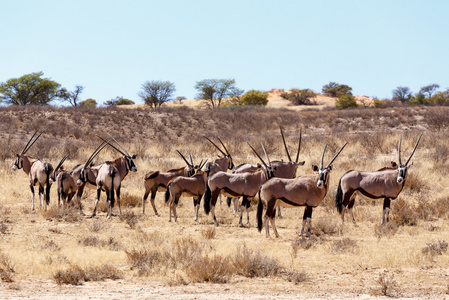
[(308, 191), (193, 186), (65, 184), (243, 185), (385, 184), (107, 177), (38, 172)]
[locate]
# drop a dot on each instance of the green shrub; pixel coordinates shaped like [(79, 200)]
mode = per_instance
[(254, 97), (300, 97), (88, 103), (345, 101), (333, 89)]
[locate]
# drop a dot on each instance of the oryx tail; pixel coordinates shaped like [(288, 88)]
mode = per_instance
[(259, 214), (339, 198), (167, 193), (112, 172), (48, 170), (207, 198)]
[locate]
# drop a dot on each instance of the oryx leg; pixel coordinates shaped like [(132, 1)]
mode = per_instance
[(306, 220), (117, 192), (350, 208), (279, 211), (153, 196), (242, 209), (270, 215), (386, 210), (213, 201), (196, 206), (79, 193), (32, 196), (236, 205), (41, 195), (96, 202)]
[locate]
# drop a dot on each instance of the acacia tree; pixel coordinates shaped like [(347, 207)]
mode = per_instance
[(30, 89), (72, 97), (428, 90), (118, 101), (300, 97), (157, 92), (214, 90), (333, 89), (402, 93)]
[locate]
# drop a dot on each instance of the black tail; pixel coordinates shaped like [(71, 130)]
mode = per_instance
[(111, 195), (228, 201), (339, 198), (48, 171), (259, 213), (167, 193), (207, 197)]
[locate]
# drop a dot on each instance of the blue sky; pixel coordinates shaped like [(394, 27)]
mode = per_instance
[(113, 47)]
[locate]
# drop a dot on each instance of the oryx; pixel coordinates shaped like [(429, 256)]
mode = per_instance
[(385, 184), (281, 169), (37, 171), (193, 186), (243, 185), (307, 190), (107, 177), (225, 162), (158, 181), (65, 184)]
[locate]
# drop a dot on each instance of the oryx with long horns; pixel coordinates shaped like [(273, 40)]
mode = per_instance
[(281, 169), (193, 186), (65, 184), (307, 190), (225, 162), (107, 177), (158, 181), (243, 185), (385, 184), (37, 171)]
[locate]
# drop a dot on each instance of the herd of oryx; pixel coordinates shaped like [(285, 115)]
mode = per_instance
[(273, 183)]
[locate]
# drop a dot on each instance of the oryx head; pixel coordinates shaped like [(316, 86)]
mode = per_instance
[(18, 164), (402, 169), (83, 175), (190, 168), (130, 166), (268, 167), (57, 170), (323, 172), (295, 163), (226, 154)]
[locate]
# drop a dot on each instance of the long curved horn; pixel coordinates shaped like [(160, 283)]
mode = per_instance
[(335, 156), (29, 141), (202, 165), (184, 158), (61, 162), (191, 160), (215, 145), (322, 156), (124, 150), (266, 155), (285, 145), (413, 150), (224, 146), (95, 153), (32, 143), (299, 145), (258, 155), (118, 150), (399, 150)]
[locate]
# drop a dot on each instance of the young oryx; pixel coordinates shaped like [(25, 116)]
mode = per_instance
[(308, 191), (37, 171), (385, 184), (158, 181), (243, 185), (107, 178), (281, 169), (65, 185), (193, 186)]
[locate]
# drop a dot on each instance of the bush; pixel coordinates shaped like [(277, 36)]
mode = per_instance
[(88, 103), (300, 97), (345, 101), (254, 97), (333, 89)]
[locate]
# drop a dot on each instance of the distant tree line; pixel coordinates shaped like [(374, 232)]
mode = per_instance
[(35, 89)]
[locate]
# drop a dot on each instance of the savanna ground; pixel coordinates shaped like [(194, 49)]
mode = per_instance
[(54, 253)]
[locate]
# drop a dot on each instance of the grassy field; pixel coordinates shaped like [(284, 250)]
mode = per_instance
[(58, 252)]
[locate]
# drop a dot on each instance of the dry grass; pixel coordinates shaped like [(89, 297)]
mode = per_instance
[(75, 275), (40, 244)]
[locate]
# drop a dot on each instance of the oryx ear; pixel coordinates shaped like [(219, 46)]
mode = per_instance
[(329, 168), (315, 168), (394, 164), (301, 163), (409, 165), (275, 168), (259, 165), (134, 156), (18, 155)]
